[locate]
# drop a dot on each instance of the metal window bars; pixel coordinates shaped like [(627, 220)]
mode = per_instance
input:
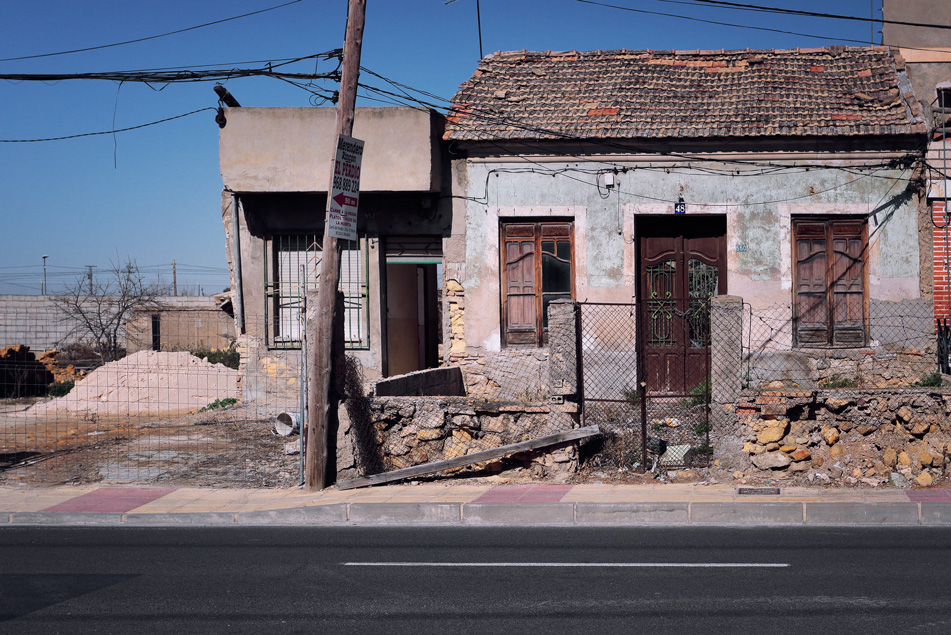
[(292, 269)]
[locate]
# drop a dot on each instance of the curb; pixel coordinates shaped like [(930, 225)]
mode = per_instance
[(653, 514)]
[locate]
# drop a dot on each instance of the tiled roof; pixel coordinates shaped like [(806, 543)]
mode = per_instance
[(833, 91)]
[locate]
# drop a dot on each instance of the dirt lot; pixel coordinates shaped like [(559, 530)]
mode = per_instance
[(228, 447)]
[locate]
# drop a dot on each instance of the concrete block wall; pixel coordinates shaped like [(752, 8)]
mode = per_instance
[(32, 320), (36, 321)]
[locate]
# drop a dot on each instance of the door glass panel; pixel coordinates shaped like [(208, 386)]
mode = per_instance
[(556, 274), (702, 279), (702, 283), (660, 306)]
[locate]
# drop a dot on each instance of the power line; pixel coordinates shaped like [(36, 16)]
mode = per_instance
[(723, 4), (730, 24), (812, 14), (176, 75), (150, 37), (92, 134)]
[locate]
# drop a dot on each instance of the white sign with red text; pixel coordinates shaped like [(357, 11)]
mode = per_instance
[(345, 190)]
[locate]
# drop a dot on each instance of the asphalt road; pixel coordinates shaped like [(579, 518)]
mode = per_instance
[(498, 580)]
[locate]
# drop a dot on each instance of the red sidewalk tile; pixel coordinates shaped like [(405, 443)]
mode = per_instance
[(524, 494), (112, 499), (928, 495)]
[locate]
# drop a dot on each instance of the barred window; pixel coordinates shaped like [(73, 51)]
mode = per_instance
[(292, 264)]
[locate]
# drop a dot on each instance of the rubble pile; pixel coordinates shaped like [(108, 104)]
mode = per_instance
[(869, 437), (21, 374), (148, 382)]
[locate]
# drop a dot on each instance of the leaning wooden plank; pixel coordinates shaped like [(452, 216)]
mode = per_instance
[(469, 459)]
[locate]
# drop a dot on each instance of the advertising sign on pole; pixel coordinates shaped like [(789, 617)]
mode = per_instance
[(345, 191)]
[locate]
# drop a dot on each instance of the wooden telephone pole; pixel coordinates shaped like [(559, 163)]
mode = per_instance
[(320, 367)]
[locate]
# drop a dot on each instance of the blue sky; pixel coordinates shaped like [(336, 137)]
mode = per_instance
[(153, 195)]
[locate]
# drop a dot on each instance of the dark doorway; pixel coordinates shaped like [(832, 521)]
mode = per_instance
[(682, 264)]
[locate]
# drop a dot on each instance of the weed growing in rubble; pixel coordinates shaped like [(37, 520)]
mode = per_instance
[(60, 389), (631, 394), (698, 395), (837, 381), (219, 403), (929, 381), (226, 357)]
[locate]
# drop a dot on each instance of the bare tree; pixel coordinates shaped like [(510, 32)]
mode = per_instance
[(99, 307)]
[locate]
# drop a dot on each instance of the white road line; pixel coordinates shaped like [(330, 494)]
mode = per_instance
[(639, 565)]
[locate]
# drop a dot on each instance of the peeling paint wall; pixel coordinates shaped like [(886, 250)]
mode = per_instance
[(758, 206), (276, 161)]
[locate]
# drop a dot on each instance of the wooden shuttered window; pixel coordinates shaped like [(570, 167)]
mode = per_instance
[(536, 269), (829, 257)]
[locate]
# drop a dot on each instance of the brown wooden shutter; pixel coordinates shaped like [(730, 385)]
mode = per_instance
[(830, 282), (811, 290), (520, 283), (848, 283)]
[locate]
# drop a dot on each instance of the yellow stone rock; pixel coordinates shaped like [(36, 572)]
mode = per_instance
[(925, 460), (890, 457), (831, 435), (461, 435), (924, 480), (429, 435), (788, 448), (835, 450), (904, 460), (773, 432), (453, 285)]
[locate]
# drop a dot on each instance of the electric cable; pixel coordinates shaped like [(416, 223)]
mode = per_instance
[(92, 134), (150, 37)]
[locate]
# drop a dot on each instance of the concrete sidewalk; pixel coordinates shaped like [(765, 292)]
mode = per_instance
[(475, 505)]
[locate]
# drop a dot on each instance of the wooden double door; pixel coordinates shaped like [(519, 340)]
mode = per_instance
[(682, 264)]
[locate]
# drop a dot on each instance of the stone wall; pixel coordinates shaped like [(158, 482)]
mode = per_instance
[(842, 437), (382, 434)]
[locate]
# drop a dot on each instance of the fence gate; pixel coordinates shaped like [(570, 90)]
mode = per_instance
[(645, 381)]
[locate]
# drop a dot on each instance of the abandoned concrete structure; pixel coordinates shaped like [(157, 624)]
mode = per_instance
[(274, 164), (782, 177), (631, 235)]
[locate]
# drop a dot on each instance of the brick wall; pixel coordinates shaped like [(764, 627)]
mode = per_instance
[(942, 259)]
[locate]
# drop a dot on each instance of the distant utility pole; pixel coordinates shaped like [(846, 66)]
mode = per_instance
[(174, 279), (320, 366), (44, 273), (89, 269)]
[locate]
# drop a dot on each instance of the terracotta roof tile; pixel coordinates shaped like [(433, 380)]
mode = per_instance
[(833, 91)]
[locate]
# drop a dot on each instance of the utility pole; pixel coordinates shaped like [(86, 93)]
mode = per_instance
[(89, 269), (44, 273), (174, 279), (320, 367)]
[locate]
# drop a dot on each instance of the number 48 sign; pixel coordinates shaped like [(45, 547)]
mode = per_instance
[(345, 189)]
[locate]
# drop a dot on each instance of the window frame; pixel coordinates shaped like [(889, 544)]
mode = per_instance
[(282, 293), (838, 292), (537, 334)]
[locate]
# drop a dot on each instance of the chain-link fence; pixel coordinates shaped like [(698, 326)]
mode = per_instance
[(892, 346), (174, 408), (645, 372)]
